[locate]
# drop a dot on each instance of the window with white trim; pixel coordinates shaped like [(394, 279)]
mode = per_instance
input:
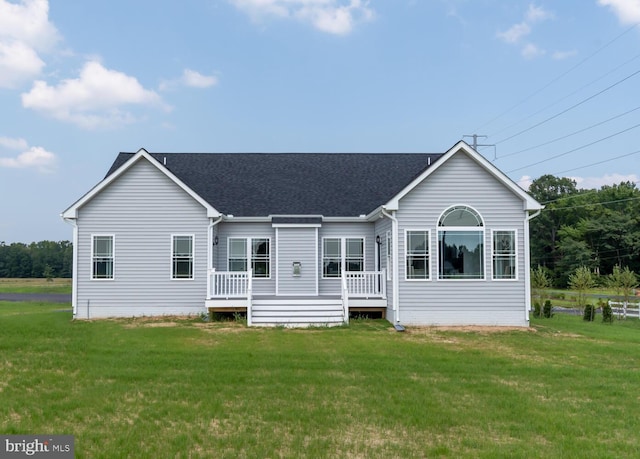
[(417, 255), (504, 254), (102, 259), (340, 254), (460, 244), (254, 252), (182, 257)]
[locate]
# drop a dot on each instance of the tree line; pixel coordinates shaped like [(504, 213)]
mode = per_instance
[(44, 259), (596, 229)]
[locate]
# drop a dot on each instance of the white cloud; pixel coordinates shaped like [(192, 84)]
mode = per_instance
[(25, 33), (607, 179), (525, 182), (628, 11), (18, 63), (34, 157), (190, 78), (537, 14), (92, 100), (531, 51), (13, 144), (336, 17), (195, 79), (514, 34)]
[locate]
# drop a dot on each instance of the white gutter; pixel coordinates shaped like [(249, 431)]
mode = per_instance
[(74, 269), (395, 294)]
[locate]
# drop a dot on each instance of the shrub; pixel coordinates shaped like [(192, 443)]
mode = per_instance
[(581, 281), (607, 313), (589, 313), (547, 310), (536, 309)]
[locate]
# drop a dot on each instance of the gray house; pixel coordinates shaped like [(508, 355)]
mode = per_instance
[(300, 239)]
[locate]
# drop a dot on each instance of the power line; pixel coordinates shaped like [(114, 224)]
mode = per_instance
[(553, 209), (578, 194), (576, 149), (572, 134), (567, 96), (599, 162), (559, 77), (570, 108)]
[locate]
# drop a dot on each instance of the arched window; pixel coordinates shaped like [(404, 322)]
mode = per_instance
[(460, 244)]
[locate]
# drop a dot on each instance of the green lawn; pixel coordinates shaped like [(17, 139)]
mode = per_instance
[(58, 285), (183, 388)]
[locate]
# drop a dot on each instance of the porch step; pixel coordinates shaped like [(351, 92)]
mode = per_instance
[(297, 313)]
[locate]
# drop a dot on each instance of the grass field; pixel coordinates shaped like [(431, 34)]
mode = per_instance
[(178, 387), (10, 285)]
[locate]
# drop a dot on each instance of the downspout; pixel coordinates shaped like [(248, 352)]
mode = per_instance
[(395, 294), (527, 265), (74, 267)]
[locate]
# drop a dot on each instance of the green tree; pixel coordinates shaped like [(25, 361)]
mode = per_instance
[(581, 281), (623, 281), (553, 192), (539, 282)]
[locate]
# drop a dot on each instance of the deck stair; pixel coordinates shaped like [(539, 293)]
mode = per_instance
[(297, 312)]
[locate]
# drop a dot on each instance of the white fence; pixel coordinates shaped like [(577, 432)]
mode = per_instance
[(625, 310)]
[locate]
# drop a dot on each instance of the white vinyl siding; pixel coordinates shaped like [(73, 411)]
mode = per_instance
[(504, 254), (297, 246), (463, 301), (143, 208), (102, 259), (182, 256)]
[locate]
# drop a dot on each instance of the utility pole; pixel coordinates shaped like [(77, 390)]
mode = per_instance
[(475, 144)]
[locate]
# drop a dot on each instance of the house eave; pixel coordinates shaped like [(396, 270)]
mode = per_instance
[(324, 219)]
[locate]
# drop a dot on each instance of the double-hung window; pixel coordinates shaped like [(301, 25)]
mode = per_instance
[(102, 257), (417, 254), (504, 254), (182, 257), (460, 244), (253, 252), (342, 254)]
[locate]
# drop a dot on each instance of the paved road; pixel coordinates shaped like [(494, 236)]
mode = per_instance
[(45, 297)]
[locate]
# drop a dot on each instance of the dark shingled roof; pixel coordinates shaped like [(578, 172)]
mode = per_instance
[(262, 184)]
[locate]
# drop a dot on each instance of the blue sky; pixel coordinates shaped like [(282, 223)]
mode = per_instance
[(553, 84)]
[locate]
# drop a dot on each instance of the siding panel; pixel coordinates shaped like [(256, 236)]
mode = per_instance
[(297, 245)]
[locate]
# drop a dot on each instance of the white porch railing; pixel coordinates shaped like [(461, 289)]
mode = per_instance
[(366, 284), (224, 284)]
